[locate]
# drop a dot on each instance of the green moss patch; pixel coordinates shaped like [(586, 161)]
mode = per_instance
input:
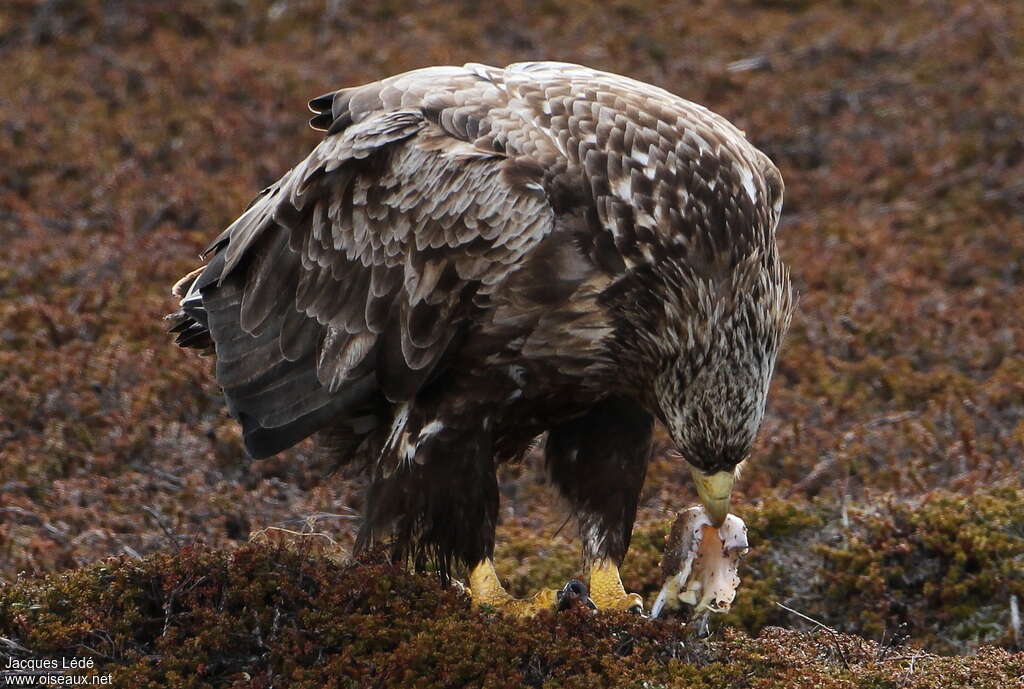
[(938, 571)]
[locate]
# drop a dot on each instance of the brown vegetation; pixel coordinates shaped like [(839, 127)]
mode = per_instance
[(885, 495), (278, 615)]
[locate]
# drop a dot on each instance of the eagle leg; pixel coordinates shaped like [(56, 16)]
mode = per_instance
[(598, 462), (485, 589), (607, 591)]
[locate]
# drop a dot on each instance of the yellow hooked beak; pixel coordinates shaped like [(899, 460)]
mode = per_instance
[(714, 491)]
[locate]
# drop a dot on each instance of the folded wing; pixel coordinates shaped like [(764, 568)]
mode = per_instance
[(343, 285)]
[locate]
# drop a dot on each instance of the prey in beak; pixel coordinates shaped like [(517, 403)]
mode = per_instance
[(715, 491)]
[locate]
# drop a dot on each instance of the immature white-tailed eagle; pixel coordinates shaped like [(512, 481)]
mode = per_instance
[(474, 256)]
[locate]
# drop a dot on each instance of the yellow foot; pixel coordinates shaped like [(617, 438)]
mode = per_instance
[(485, 589), (607, 592)]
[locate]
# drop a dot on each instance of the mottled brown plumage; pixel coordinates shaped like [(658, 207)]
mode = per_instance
[(474, 256)]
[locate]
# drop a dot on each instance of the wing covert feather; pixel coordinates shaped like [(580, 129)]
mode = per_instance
[(357, 269)]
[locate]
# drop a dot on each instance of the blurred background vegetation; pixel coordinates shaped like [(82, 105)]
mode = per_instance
[(885, 491)]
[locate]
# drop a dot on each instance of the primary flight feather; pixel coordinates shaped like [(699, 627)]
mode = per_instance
[(474, 256)]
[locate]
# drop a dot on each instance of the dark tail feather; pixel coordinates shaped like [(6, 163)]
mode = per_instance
[(190, 322)]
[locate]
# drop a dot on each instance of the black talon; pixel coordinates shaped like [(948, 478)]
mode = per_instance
[(572, 594), (637, 609)]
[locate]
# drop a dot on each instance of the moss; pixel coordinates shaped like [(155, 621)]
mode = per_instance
[(528, 561), (779, 532), (945, 567), (939, 570)]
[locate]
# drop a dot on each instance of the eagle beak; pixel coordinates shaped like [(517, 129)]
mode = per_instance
[(714, 491)]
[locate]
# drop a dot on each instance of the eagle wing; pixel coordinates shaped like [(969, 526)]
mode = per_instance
[(347, 281)]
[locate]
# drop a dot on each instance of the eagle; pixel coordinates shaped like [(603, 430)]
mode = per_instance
[(476, 258)]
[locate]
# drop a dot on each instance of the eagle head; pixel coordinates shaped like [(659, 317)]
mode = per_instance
[(708, 344)]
